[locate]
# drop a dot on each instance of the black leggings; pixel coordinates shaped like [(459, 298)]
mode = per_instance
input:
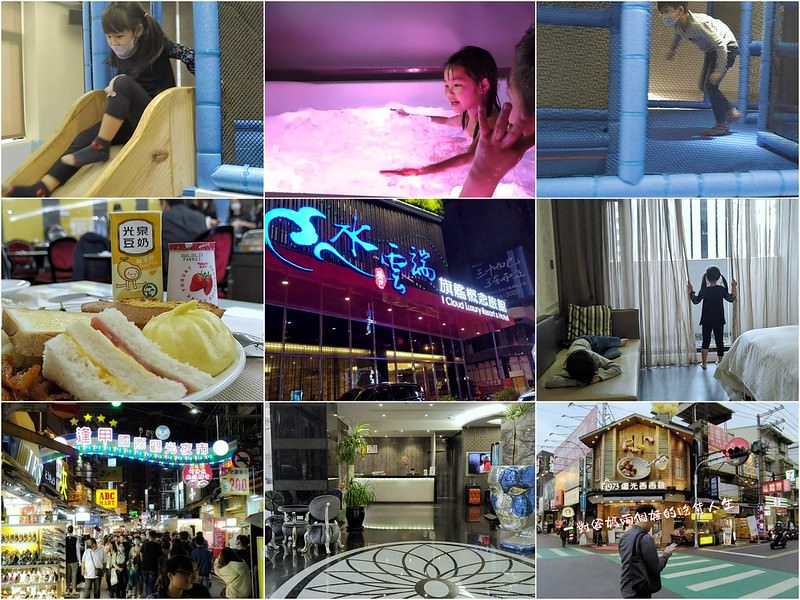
[(128, 104), (717, 330)]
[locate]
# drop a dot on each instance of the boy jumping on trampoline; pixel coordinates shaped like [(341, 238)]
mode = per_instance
[(589, 361), (712, 318), (140, 53), (470, 81), (720, 47)]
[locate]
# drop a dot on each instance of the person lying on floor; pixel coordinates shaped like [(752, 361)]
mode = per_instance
[(589, 360)]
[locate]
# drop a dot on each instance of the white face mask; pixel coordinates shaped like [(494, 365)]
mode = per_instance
[(669, 20), (236, 206), (124, 51)]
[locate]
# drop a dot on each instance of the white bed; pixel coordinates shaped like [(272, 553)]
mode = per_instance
[(762, 365)]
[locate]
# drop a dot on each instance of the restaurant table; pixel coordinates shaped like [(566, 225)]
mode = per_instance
[(246, 317), (38, 255), (97, 266), (290, 526)]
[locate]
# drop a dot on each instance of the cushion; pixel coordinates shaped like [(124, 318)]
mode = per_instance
[(588, 320)]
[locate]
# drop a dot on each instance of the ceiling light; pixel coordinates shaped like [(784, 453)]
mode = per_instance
[(284, 282), (419, 318), (347, 298), (388, 310)]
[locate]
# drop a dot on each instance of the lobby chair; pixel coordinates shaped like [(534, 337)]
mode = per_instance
[(275, 520), (294, 528), (324, 530), (59, 254), (22, 267)]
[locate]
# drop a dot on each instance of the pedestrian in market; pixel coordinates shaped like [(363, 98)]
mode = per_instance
[(202, 558), (119, 570), (198, 538), (234, 572), (92, 563), (134, 569), (198, 589), (177, 581), (73, 561), (150, 555), (243, 549), (110, 548), (641, 563)]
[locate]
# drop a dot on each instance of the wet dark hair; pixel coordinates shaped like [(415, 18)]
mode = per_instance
[(179, 563), (580, 366), (662, 6), (130, 16), (479, 64), (713, 274), (644, 509), (524, 69)]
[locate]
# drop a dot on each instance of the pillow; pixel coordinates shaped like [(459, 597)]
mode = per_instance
[(588, 320)]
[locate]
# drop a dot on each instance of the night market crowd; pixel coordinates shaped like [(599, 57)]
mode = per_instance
[(149, 564)]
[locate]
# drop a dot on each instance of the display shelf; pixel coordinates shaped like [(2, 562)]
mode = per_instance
[(48, 544)]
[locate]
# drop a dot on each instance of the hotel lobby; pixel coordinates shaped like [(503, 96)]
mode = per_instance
[(431, 500)]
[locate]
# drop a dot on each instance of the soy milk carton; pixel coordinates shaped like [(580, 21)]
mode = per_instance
[(136, 269)]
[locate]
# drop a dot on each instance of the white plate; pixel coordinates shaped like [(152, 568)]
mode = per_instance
[(12, 286), (224, 379)]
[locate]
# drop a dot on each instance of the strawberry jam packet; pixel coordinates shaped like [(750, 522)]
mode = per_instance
[(192, 273)]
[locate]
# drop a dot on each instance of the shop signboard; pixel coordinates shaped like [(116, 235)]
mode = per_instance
[(791, 475), (106, 498), (613, 486), (133, 514), (717, 438), (572, 497), (775, 501), (505, 275), (398, 263), (733, 509), (113, 474), (706, 540), (49, 478), (781, 486), (197, 476), (236, 482), (760, 520)]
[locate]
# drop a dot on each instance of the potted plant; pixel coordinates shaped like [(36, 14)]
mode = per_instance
[(351, 446), (357, 497), (513, 484)]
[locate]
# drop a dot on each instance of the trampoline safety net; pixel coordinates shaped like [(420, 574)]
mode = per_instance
[(580, 80), (241, 26)]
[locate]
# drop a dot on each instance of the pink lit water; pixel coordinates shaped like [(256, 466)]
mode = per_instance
[(342, 151)]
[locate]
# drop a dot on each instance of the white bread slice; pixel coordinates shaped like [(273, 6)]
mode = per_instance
[(124, 333), (86, 364), (29, 329)]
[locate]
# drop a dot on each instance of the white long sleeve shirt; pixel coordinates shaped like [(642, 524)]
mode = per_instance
[(708, 34)]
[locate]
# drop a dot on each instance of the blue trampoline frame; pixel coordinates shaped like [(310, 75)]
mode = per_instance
[(629, 55)]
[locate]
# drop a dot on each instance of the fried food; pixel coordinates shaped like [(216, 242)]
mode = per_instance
[(28, 383)]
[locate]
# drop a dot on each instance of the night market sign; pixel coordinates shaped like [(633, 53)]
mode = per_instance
[(105, 442), (398, 263)]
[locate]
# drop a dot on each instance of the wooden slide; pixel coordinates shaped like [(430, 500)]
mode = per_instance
[(158, 161)]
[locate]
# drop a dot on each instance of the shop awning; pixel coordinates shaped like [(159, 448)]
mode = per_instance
[(325, 289)]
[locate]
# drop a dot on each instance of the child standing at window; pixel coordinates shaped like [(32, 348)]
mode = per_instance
[(712, 318), (720, 47)]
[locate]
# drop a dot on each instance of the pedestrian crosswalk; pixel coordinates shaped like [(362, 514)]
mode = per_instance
[(568, 552), (692, 576)]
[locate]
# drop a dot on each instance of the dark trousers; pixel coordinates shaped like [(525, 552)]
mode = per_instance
[(719, 104), (149, 578), (605, 345), (718, 339), (91, 587), (128, 104)]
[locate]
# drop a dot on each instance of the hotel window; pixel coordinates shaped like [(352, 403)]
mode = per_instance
[(302, 332), (384, 341), (273, 323), (363, 341), (335, 335)]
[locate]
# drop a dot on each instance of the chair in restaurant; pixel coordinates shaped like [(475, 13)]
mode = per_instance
[(275, 520), (91, 270), (223, 239), (59, 254), (22, 267), (323, 529)]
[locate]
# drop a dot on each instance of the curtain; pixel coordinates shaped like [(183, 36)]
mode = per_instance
[(580, 252), (647, 269), (763, 246)]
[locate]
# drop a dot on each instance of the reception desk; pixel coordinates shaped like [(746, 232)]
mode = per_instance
[(402, 489)]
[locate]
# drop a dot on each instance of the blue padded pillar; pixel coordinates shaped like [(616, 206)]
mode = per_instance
[(634, 73), (744, 54), (101, 72), (571, 16), (208, 91), (614, 88), (766, 66), (87, 46)]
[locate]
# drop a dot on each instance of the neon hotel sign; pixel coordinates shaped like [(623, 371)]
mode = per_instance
[(397, 262)]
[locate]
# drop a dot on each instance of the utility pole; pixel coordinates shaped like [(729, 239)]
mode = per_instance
[(760, 465)]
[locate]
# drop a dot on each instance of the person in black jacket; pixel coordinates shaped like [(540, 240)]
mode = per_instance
[(712, 318), (641, 563), (140, 54)]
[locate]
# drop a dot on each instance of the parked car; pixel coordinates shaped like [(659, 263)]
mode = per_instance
[(528, 396), (385, 392)]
